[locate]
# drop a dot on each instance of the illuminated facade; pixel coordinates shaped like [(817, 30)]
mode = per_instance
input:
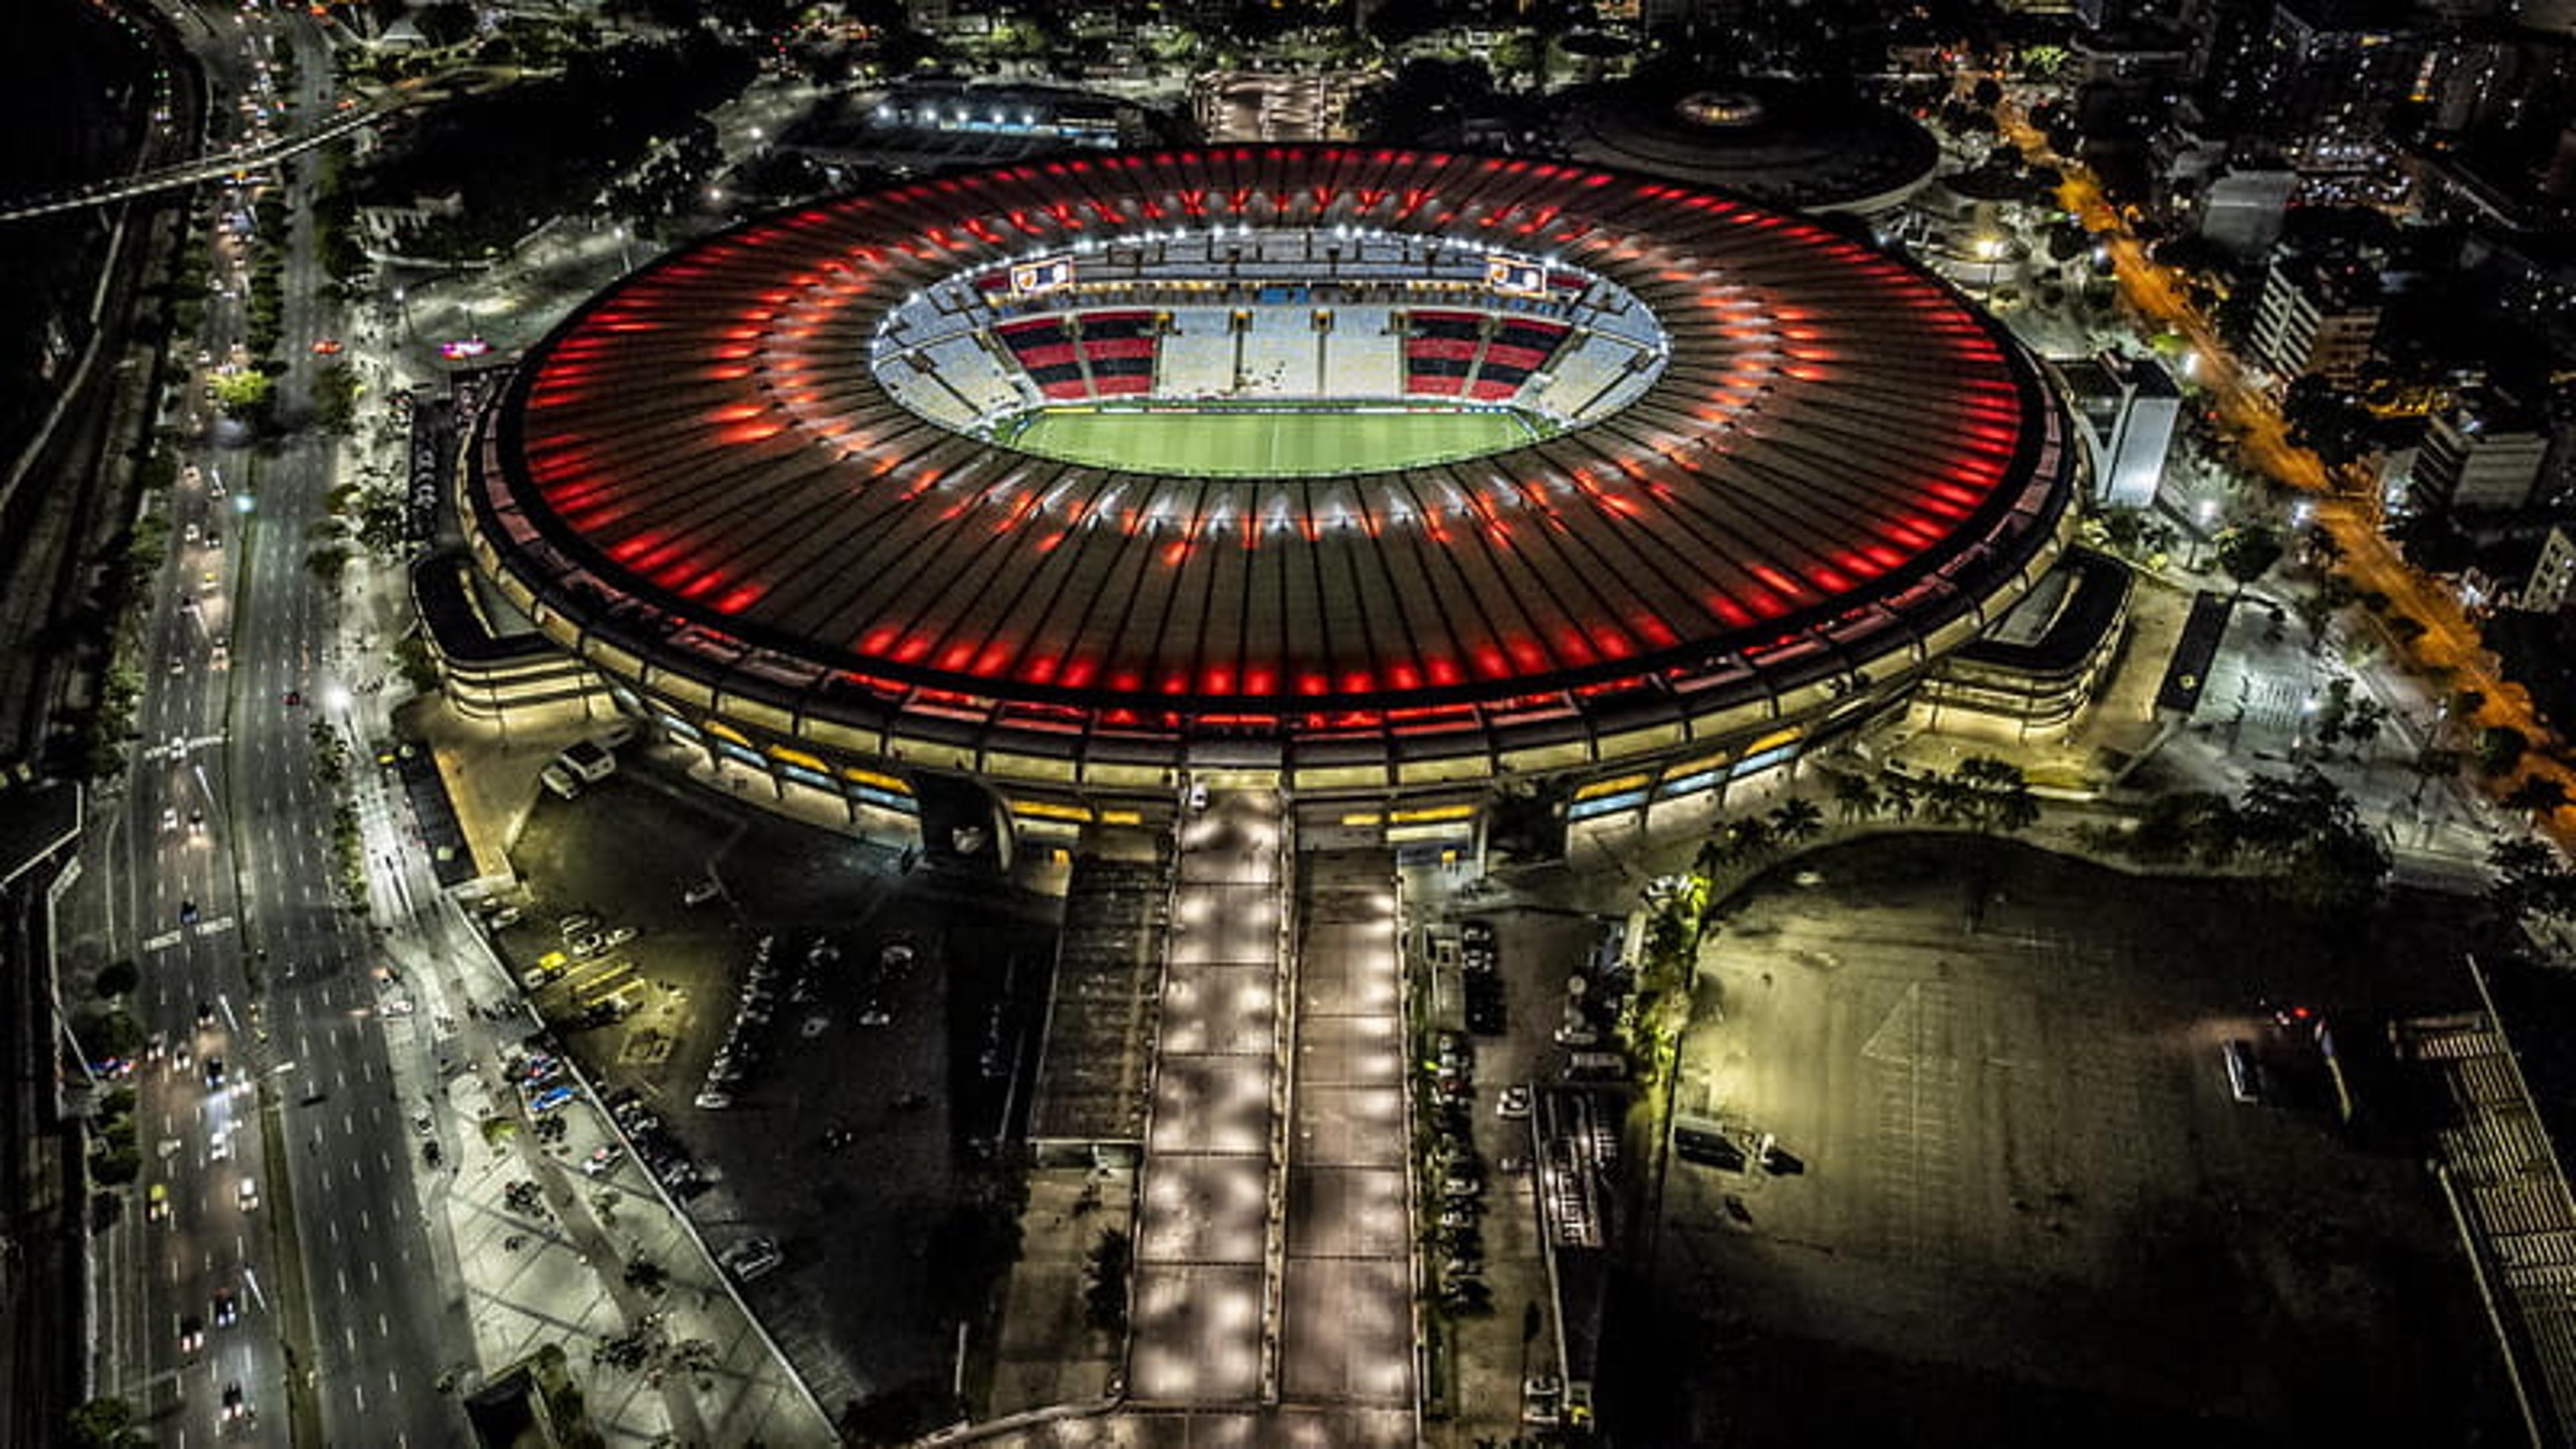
[(708, 484)]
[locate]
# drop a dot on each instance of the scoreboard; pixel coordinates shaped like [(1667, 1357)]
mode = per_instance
[(1516, 278), (1048, 274)]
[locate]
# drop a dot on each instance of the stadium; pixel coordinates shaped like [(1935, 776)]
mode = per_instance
[(1373, 476)]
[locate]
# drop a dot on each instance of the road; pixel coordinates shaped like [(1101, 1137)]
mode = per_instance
[(2450, 646), (288, 1183)]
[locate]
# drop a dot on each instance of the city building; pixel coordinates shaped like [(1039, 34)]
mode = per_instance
[(2316, 317), (2327, 76), (2034, 674), (2128, 406), (768, 487), (2552, 584), (2484, 456), (2242, 208)]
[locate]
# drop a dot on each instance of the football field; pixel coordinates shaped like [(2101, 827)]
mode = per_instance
[(1284, 443)]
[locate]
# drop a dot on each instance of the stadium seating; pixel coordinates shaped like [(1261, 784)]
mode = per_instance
[(1079, 357), (1045, 353), (1440, 351), (1118, 349), (1519, 347), (1566, 354)]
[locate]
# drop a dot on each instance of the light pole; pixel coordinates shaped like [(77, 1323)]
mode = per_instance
[(1990, 250)]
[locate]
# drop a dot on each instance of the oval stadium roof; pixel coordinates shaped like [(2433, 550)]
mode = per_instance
[(700, 470)]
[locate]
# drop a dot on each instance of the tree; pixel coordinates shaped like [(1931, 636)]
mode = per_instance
[(2530, 880), (335, 399), (1104, 1297), (2499, 749), (2330, 862), (1945, 800), (2323, 549), (2247, 552), (449, 22), (1856, 797), (2539, 796), (1751, 838), (1521, 53), (1796, 820), (2364, 723), (2317, 608), (1903, 793), (646, 1276), (2135, 533), (1993, 794), (106, 1423), (2325, 421), (108, 1032), (419, 667), (117, 977), (245, 394)]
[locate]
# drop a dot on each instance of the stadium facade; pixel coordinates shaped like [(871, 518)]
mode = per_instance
[(1748, 483)]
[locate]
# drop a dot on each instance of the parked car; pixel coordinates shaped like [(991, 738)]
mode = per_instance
[(751, 1258)]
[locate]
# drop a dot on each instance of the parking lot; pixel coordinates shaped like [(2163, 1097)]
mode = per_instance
[(1508, 1013), (858, 1072), (2021, 1202)]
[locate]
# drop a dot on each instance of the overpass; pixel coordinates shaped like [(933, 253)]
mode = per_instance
[(204, 168)]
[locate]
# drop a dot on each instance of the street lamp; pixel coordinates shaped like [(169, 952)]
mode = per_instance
[(1989, 250)]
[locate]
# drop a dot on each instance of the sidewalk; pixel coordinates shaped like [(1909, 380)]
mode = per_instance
[(516, 1280)]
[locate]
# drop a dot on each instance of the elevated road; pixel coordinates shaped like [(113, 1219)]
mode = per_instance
[(240, 160)]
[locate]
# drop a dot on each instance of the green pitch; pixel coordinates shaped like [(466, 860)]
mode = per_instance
[(1284, 443)]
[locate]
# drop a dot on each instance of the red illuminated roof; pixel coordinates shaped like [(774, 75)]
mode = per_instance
[(1839, 457)]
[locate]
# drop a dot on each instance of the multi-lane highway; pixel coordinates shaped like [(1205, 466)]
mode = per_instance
[(282, 1249)]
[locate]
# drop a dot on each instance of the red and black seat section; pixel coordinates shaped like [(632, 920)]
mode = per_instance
[(1073, 357)]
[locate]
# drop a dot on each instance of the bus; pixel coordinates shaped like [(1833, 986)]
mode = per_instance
[(1596, 1067)]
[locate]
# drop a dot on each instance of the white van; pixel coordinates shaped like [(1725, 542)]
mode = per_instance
[(2244, 1076)]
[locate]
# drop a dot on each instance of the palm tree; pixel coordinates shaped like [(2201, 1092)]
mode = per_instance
[(1751, 838), (1715, 854), (1947, 799), (1902, 792), (1796, 820), (2014, 809), (1856, 797)]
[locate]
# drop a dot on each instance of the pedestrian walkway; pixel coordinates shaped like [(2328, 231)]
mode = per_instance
[(1206, 1217), (1347, 1333)]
